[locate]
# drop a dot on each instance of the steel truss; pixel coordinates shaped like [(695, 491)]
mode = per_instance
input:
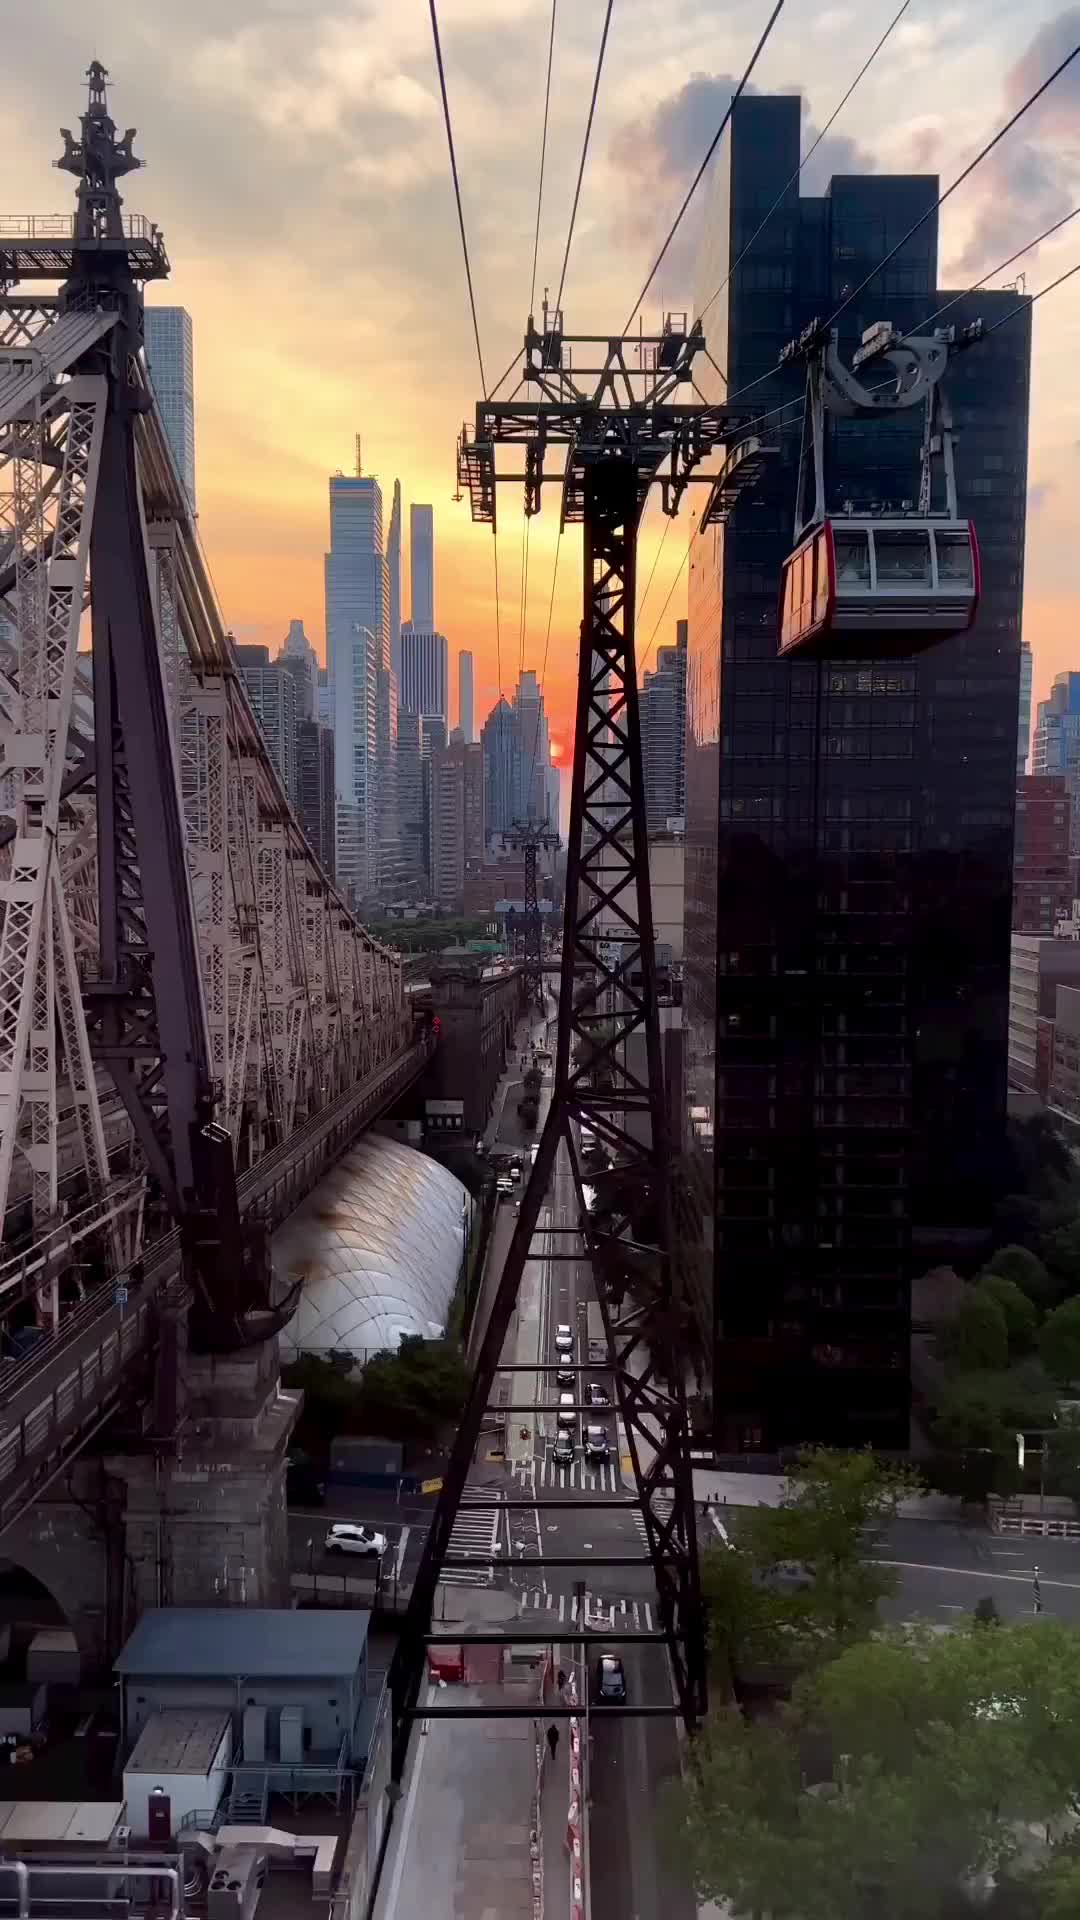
[(166, 929), (609, 1073), (528, 838)]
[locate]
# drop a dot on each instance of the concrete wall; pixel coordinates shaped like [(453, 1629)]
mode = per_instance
[(74, 1546)]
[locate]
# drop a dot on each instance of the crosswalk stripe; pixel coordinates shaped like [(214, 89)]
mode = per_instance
[(473, 1533), (634, 1614)]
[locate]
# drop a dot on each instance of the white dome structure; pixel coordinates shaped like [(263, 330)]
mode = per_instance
[(378, 1246)]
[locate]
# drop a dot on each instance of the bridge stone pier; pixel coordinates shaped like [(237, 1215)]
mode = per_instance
[(204, 1520), (72, 1541)]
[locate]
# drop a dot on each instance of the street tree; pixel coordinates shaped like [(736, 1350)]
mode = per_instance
[(976, 1340), (975, 1425), (1059, 1341), (1019, 1312), (897, 1783), (833, 1512), (1024, 1269)]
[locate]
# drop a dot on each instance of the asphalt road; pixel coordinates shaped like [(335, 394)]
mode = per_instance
[(942, 1570)]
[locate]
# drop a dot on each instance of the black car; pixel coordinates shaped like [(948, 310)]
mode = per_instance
[(596, 1395), (563, 1451), (565, 1377), (609, 1685)]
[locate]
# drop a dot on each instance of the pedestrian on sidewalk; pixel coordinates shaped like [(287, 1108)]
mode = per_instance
[(560, 1680), (553, 1740)]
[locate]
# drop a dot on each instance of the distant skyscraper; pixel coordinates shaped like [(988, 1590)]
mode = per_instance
[(324, 699), (393, 565), (466, 720), (170, 357), (422, 567), (457, 819), (358, 645), (1023, 738), (299, 658), (502, 780), (423, 685), (663, 734), (272, 692), (315, 788), (1042, 881), (533, 750)]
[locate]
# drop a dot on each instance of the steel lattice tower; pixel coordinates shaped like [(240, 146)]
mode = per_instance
[(618, 433)]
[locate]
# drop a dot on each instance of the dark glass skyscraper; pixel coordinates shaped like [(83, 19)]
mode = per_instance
[(848, 844)]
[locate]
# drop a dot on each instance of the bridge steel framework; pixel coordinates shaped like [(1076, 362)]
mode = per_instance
[(168, 935)]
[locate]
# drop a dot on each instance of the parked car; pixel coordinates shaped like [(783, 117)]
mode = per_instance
[(564, 1339), (597, 1445), (596, 1395), (566, 1416), (345, 1537), (609, 1683), (563, 1451)]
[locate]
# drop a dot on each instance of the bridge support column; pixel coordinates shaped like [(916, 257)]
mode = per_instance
[(205, 1519)]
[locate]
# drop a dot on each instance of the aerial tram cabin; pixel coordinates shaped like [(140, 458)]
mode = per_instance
[(858, 587), (880, 584)]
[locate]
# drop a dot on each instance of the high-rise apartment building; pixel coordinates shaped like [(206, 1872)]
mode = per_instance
[(1055, 749), (393, 567), (848, 842), (170, 358), (1042, 865), (271, 689), (457, 819), (533, 750), (1023, 735), (424, 683), (466, 709), (299, 658), (315, 788), (422, 567), (358, 646), (662, 706), (499, 744)]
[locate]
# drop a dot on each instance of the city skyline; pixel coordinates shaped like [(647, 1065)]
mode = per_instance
[(259, 469)]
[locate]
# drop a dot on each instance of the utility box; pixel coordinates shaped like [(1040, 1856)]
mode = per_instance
[(291, 1736), (254, 1735), (22, 1708), (53, 1656)]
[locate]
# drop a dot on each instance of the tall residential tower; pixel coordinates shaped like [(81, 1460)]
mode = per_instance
[(358, 648), (170, 357)]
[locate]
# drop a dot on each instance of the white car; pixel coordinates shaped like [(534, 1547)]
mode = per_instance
[(564, 1339), (566, 1416), (344, 1537)]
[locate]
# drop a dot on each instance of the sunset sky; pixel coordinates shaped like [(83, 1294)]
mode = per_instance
[(296, 159)]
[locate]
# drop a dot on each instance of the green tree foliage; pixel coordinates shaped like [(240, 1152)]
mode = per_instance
[(940, 1747), (1024, 1269), (834, 1509), (1062, 1465), (1059, 1342), (1061, 1252), (975, 1427), (1020, 1314), (533, 1080), (976, 1340), (985, 1613), (412, 1394)]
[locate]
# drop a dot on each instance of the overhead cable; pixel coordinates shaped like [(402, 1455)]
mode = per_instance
[(807, 156), (584, 153), (1000, 268), (457, 190), (713, 144), (958, 182), (543, 156)]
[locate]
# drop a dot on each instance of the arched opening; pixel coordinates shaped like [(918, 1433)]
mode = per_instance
[(27, 1607), (60, 1711)]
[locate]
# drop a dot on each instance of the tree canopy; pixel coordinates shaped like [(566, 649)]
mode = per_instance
[(1018, 1310), (1059, 1342), (413, 1393), (898, 1780), (976, 1339)]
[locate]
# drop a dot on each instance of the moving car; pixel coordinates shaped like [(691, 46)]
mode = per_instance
[(504, 1185), (346, 1537), (563, 1451), (597, 1445), (566, 1416), (564, 1339), (596, 1395), (565, 1377), (609, 1686)]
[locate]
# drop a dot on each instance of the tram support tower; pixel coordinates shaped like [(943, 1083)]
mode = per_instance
[(613, 409), (527, 838)]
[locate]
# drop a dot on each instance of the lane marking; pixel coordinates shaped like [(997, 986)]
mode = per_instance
[(977, 1573), (400, 1561)]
